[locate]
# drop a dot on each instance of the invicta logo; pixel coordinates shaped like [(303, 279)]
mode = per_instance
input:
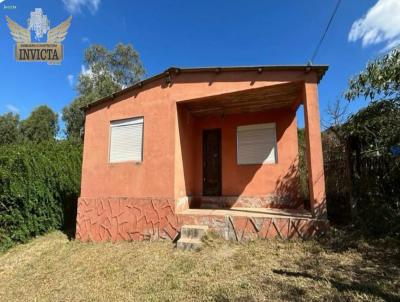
[(51, 52)]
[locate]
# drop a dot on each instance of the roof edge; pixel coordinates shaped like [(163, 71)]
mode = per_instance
[(320, 69)]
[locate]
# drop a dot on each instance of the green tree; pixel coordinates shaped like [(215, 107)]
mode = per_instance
[(377, 126), (41, 125), (380, 80), (364, 148), (105, 72), (9, 128)]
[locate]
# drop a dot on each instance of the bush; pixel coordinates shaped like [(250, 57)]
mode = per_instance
[(377, 195), (362, 170), (39, 187)]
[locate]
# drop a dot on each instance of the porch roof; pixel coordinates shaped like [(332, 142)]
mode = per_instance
[(248, 100)]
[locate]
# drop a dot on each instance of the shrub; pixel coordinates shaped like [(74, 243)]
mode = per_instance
[(362, 169), (39, 187)]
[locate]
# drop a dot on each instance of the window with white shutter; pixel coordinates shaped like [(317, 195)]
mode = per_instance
[(126, 140), (256, 144)]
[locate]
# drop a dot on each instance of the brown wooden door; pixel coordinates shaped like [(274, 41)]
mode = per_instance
[(212, 162)]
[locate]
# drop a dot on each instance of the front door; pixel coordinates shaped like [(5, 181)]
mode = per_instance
[(212, 162)]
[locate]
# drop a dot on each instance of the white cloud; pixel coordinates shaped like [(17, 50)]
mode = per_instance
[(381, 24), (392, 44), (12, 108), (85, 40), (75, 6), (70, 79)]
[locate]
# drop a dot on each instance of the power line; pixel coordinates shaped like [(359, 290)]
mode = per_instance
[(326, 30)]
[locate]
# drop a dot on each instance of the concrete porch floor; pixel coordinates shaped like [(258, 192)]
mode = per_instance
[(249, 212)]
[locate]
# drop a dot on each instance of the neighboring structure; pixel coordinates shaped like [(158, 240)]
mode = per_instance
[(212, 146)]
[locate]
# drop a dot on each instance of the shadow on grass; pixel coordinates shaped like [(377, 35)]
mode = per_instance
[(69, 208), (362, 287), (70, 232)]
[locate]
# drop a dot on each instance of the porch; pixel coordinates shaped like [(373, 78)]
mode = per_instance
[(262, 198)]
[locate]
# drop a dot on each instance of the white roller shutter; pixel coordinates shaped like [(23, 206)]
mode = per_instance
[(126, 141), (256, 144)]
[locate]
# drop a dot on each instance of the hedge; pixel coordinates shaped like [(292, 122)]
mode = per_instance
[(39, 187)]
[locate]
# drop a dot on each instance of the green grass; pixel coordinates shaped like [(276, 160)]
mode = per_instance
[(52, 268)]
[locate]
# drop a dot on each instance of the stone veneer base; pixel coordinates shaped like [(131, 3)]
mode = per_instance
[(116, 219), (105, 219)]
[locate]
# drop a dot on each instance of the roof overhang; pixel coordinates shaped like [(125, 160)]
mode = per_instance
[(174, 71), (248, 100)]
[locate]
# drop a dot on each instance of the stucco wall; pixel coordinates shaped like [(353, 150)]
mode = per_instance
[(162, 172), (154, 177), (247, 180), (185, 149)]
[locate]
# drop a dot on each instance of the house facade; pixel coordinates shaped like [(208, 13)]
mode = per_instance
[(213, 146)]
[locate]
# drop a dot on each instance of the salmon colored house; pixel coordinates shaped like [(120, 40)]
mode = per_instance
[(206, 146)]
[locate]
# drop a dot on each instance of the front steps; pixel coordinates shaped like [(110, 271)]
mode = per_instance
[(191, 236)]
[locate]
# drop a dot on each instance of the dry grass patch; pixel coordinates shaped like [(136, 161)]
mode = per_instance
[(51, 268)]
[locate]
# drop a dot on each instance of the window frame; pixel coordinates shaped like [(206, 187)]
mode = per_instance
[(258, 126), (110, 137)]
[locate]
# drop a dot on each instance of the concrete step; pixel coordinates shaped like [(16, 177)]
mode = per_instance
[(191, 237), (193, 231), (189, 244)]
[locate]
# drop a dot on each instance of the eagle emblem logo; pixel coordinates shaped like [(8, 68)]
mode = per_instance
[(26, 50)]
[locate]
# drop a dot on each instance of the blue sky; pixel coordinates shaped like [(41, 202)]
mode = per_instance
[(199, 33)]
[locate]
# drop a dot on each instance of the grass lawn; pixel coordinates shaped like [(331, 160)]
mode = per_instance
[(52, 268)]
